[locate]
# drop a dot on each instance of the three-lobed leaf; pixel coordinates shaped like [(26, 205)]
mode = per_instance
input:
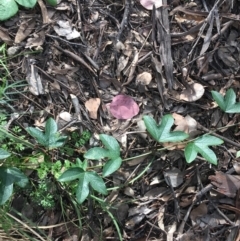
[(71, 174), (86, 179), (50, 138), (9, 176), (162, 132), (201, 146), (112, 152), (227, 103)]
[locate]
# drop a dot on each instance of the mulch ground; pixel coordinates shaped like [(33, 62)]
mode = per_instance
[(83, 50)]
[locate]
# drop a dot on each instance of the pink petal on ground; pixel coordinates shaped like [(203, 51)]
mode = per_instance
[(123, 107), (148, 4)]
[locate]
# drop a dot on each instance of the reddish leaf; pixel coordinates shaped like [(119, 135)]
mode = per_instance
[(148, 4), (123, 107)]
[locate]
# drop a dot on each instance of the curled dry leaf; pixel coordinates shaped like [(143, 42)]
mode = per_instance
[(25, 29), (193, 93), (92, 106), (186, 124), (148, 4), (144, 78), (123, 107), (225, 183)]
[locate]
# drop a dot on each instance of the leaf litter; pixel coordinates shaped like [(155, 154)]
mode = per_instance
[(131, 55)]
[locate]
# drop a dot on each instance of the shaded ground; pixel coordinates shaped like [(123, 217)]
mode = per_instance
[(95, 49)]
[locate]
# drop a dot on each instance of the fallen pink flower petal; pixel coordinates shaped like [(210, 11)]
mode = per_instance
[(123, 107), (148, 4)]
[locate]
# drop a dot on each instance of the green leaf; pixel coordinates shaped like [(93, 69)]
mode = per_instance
[(111, 166), (9, 175), (20, 178), (71, 174), (52, 2), (228, 102), (83, 187), (27, 3), (5, 193), (85, 179), (50, 128), (110, 143), (4, 154), (112, 152), (97, 183), (190, 152), (162, 133), (238, 154), (96, 153), (8, 8), (51, 138), (37, 134), (201, 145)]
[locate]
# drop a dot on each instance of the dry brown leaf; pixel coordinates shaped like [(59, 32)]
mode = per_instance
[(180, 122), (66, 116), (25, 30), (4, 36), (186, 200), (186, 124), (92, 106), (128, 49), (36, 41), (131, 70), (193, 93), (129, 192), (199, 212), (44, 11), (174, 146), (34, 81), (122, 63), (207, 38), (225, 183), (144, 78)]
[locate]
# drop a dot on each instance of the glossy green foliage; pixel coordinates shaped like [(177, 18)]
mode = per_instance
[(227, 103), (111, 152), (201, 146), (162, 132), (50, 138)]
